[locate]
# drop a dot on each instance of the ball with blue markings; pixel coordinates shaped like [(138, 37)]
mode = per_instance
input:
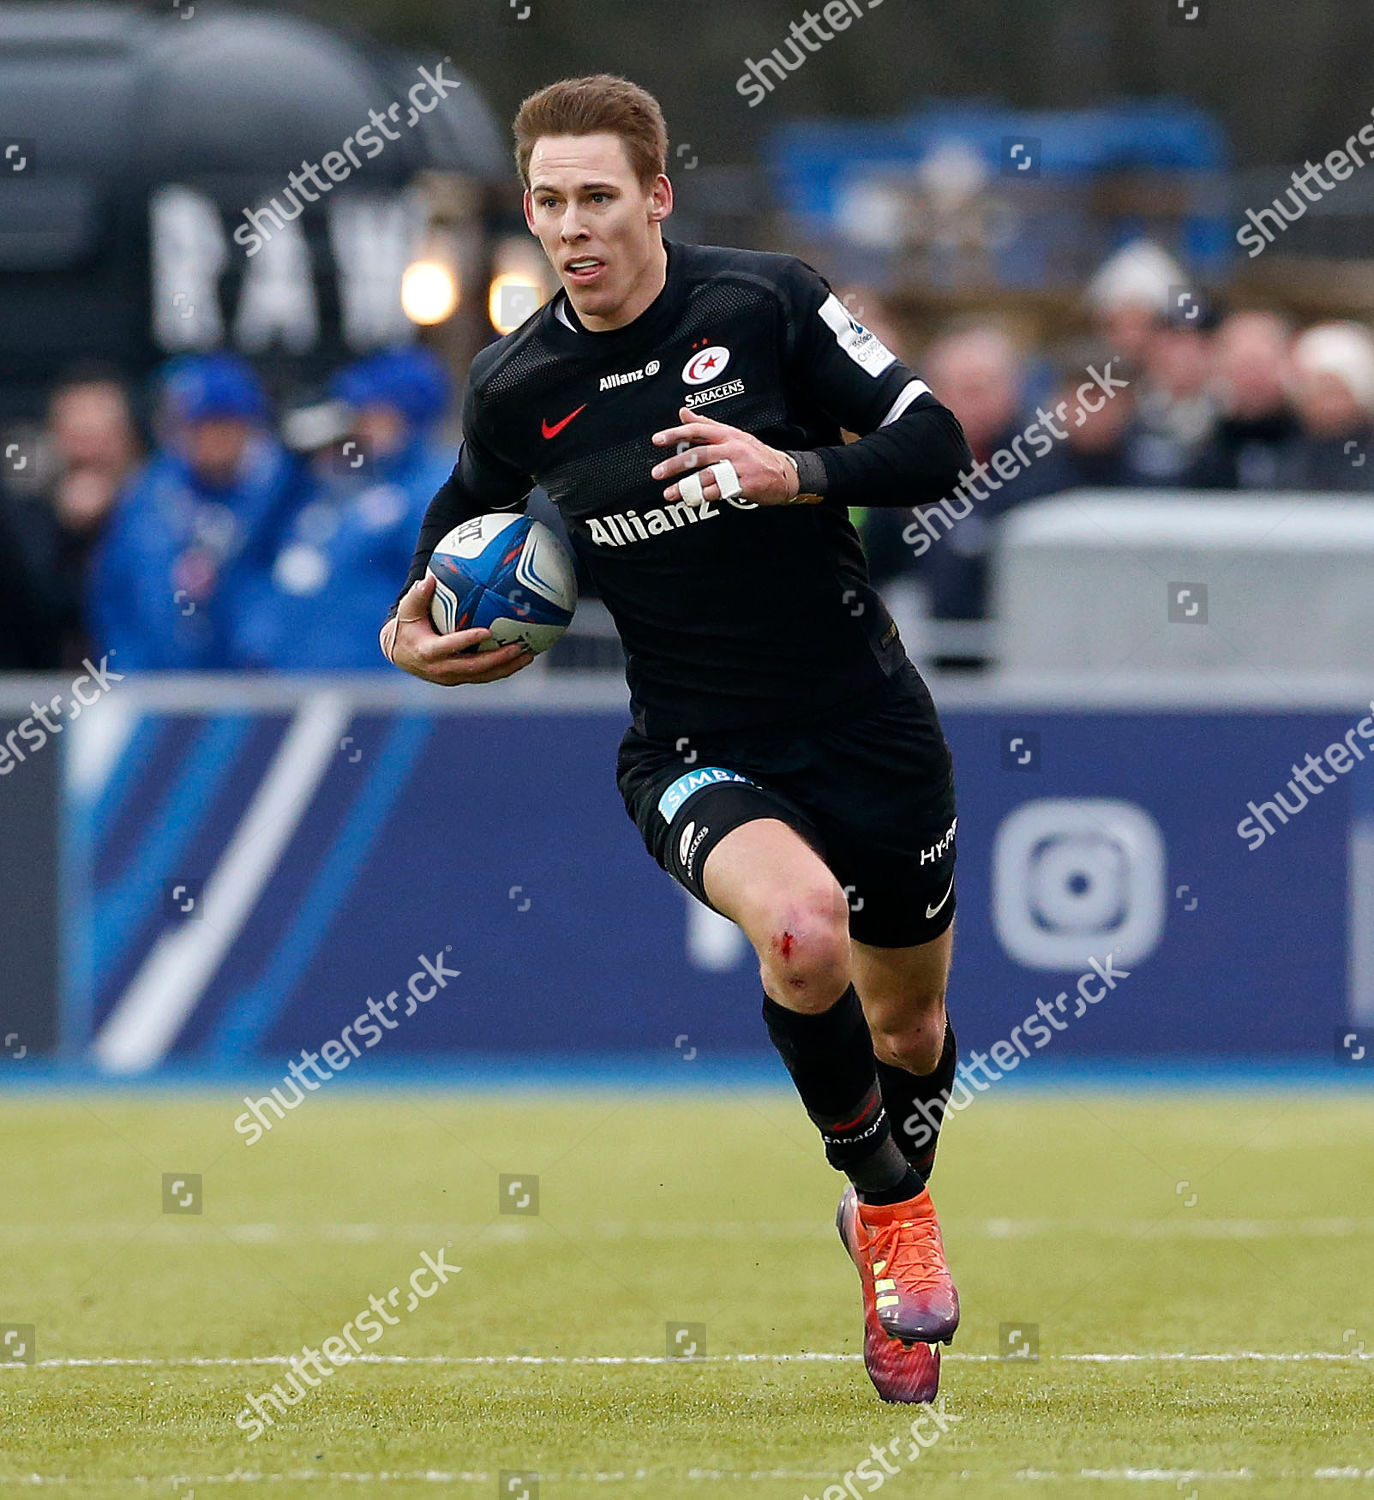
[(509, 573)]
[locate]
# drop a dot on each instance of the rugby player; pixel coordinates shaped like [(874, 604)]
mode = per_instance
[(684, 407)]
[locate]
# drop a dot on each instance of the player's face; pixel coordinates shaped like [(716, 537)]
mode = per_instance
[(599, 225)]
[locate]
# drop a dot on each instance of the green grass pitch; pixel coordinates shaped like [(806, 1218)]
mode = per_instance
[(1112, 1225)]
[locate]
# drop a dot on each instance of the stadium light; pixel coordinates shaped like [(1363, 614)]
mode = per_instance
[(430, 292), (513, 297)]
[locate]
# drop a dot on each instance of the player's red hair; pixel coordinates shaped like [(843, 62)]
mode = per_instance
[(600, 104)]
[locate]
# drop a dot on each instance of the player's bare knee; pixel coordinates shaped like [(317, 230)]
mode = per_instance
[(917, 1051), (908, 1024), (806, 975), (913, 1036), (803, 948)]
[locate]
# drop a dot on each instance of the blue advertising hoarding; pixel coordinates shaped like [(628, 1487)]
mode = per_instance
[(241, 883)]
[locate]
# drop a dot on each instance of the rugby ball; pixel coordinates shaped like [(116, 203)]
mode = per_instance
[(507, 572)]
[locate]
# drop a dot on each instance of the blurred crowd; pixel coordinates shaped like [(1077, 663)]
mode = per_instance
[(214, 548), (216, 543), (1223, 401)]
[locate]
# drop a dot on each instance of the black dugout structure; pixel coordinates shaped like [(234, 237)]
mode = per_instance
[(133, 140)]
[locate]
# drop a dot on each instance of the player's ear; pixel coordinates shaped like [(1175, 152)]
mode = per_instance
[(660, 199), (528, 201)]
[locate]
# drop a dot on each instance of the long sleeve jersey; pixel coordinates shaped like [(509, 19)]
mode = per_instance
[(733, 615)]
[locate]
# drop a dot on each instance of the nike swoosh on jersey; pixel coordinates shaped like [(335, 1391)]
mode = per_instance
[(552, 432), (933, 910)]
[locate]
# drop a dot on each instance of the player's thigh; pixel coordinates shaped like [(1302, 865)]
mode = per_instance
[(880, 792), (766, 869), (902, 991), (763, 871)]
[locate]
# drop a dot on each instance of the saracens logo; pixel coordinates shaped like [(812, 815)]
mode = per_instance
[(706, 365), (715, 393), (687, 846)]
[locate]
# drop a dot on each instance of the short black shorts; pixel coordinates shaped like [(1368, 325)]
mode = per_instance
[(874, 797)]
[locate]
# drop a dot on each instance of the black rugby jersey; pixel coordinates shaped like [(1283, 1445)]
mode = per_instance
[(733, 615)]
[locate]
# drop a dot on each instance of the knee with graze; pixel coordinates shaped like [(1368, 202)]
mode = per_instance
[(803, 947)]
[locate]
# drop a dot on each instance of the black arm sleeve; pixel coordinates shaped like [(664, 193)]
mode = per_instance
[(915, 460), (481, 481), (911, 448)]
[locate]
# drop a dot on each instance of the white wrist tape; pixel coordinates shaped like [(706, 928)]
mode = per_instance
[(725, 475)]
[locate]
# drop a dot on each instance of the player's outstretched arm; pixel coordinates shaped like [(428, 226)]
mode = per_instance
[(410, 641)]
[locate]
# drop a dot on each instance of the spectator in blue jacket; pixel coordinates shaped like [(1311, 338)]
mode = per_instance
[(194, 523), (335, 571)]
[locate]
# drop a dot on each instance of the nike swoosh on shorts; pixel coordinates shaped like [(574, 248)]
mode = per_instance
[(933, 910)]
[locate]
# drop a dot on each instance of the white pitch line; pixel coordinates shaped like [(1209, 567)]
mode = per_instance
[(426, 1476), (1171, 1476), (1207, 1228), (1167, 1476), (489, 1229), (615, 1229), (194, 1361), (1175, 1477)]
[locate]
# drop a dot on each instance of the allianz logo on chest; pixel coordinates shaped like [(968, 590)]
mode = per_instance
[(630, 377), (625, 527)]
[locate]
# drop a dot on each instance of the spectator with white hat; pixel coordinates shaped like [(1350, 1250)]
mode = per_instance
[(1333, 389)]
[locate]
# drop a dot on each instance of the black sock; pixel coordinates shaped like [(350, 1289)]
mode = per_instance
[(830, 1058), (916, 1104)]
